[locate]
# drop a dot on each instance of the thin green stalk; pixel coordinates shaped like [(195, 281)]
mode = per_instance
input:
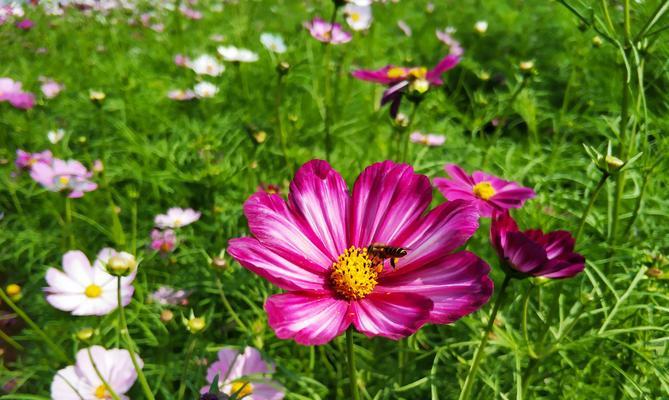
[(661, 9), (402, 138), (478, 355), (588, 208), (182, 380), (637, 206), (68, 222), (327, 100), (124, 328), (56, 349), (228, 307), (279, 124), (8, 339), (108, 388), (526, 303), (352, 376)]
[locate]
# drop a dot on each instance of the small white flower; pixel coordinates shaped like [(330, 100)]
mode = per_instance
[(481, 26), (55, 136), (273, 43), (176, 218), (361, 3), (206, 65), (82, 380), (234, 54), (205, 89), (82, 289), (359, 18)]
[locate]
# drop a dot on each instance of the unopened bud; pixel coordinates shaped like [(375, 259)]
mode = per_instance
[(259, 136), (219, 262), (402, 120), (654, 272), (283, 68), (481, 27), (614, 163), (97, 96), (13, 291), (85, 334), (121, 264), (166, 315), (195, 324), (527, 68), (597, 41)]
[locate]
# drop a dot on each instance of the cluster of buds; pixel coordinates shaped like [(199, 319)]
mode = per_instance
[(608, 163)]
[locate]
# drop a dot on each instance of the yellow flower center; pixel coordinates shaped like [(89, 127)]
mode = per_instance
[(64, 180), (420, 72), (484, 190), (354, 275), (101, 392), (93, 291), (13, 289), (355, 17), (395, 72), (241, 389)]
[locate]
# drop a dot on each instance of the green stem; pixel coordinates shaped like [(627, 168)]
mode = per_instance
[(126, 335), (478, 355), (405, 140), (68, 222), (588, 208), (102, 378), (8, 339), (526, 303), (637, 206), (327, 111), (228, 307), (353, 378), (189, 354), (54, 347)]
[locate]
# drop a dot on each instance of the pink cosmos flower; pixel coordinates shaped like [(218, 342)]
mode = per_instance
[(488, 192), (532, 252), (176, 218), (50, 88), (244, 374), (25, 24), (181, 60), (82, 380), (326, 32), (415, 80), (181, 95), (430, 139), (190, 13), (166, 295), (26, 161), (62, 175), (163, 241), (317, 247), (12, 92)]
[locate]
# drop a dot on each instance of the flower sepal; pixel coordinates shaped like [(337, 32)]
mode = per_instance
[(608, 163)]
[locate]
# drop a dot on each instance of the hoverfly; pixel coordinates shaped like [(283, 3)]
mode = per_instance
[(382, 252)]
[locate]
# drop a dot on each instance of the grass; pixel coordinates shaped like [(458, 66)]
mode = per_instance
[(602, 334)]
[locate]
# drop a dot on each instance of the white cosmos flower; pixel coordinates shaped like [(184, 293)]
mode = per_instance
[(55, 136), (81, 381), (361, 3), (481, 26), (273, 43), (359, 18), (82, 289), (176, 218), (234, 54), (205, 89), (206, 65)]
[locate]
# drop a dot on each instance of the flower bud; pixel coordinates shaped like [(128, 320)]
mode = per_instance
[(613, 163), (97, 96), (481, 27), (85, 334), (121, 264), (401, 120), (597, 41), (283, 68), (259, 136), (195, 324), (13, 291), (166, 315), (527, 68)]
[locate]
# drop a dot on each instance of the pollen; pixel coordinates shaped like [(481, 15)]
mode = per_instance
[(64, 180), (354, 275), (355, 17), (395, 73), (92, 291), (484, 190), (418, 73), (241, 389), (101, 392)]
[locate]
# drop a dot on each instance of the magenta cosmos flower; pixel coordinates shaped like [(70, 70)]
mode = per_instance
[(163, 241), (488, 192), (12, 92), (70, 176), (416, 80), (532, 252), (25, 160), (326, 32), (315, 247), (245, 374)]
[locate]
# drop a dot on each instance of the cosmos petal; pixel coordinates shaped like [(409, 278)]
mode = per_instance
[(391, 315)]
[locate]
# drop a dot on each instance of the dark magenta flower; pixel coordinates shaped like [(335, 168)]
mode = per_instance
[(488, 192), (25, 24), (316, 247), (416, 80), (533, 252)]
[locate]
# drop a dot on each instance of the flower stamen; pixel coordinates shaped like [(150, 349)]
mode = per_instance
[(484, 190), (241, 389), (354, 275), (93, 291)]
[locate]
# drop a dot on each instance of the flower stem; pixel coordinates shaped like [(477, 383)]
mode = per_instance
[(279, 124), (352, 376), (8, 339), (184, 371), (228, 307), (405, 140), (126, 335), (54, 347), (478, 355), (588, 208), (68, 222)]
